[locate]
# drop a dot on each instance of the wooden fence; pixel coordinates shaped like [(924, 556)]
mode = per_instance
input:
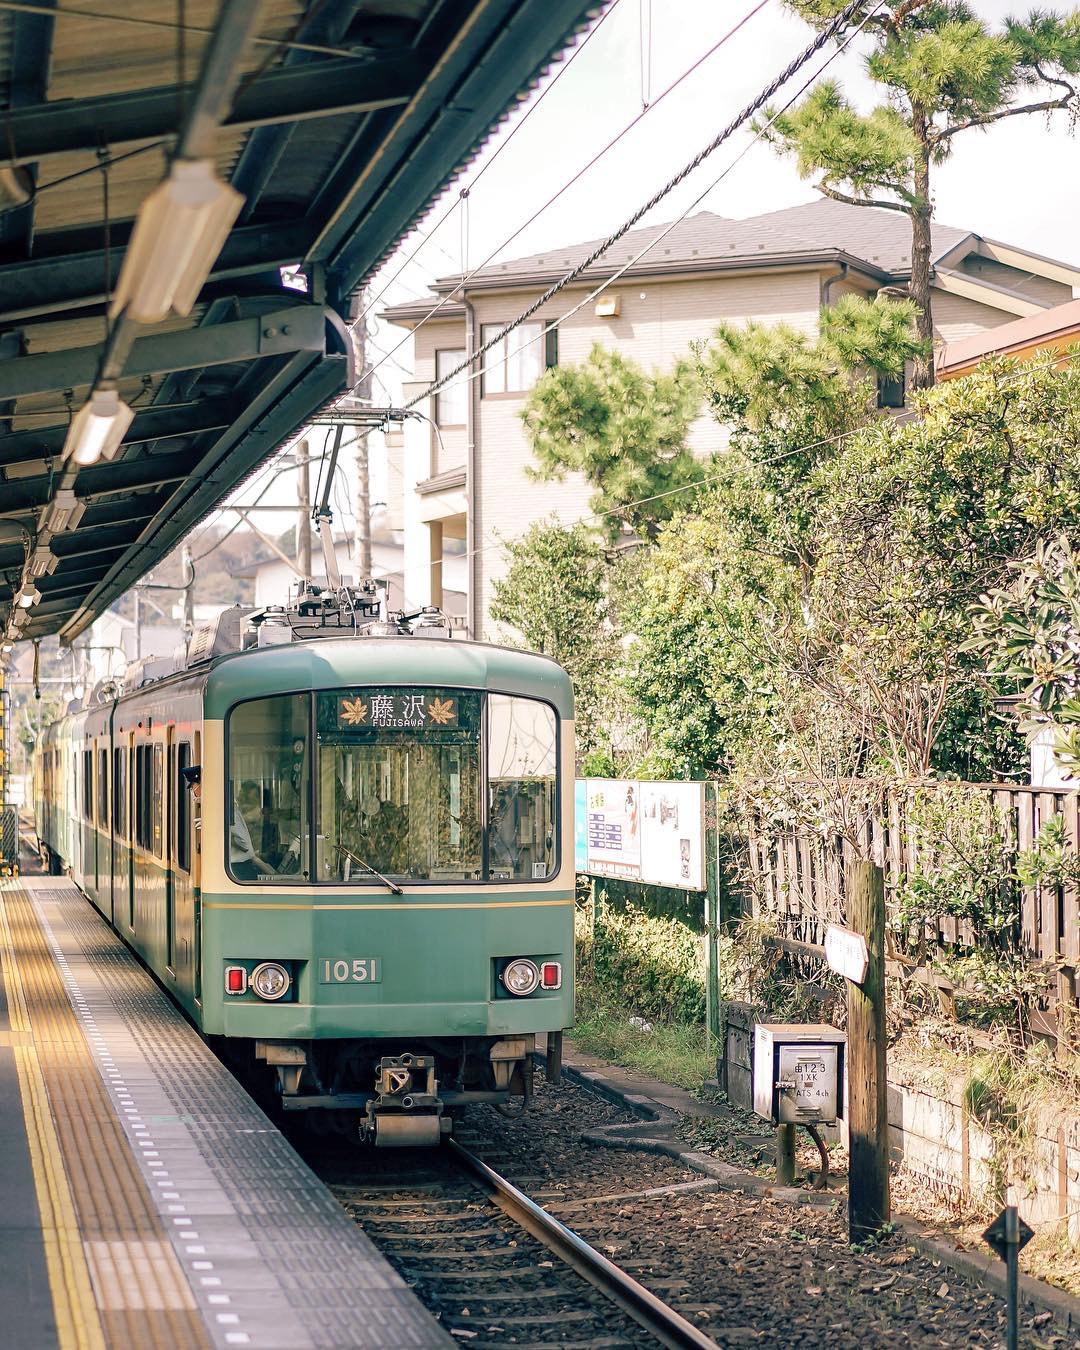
[(797, 877)]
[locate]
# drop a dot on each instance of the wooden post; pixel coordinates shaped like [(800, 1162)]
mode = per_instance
[(868, 1116), (553, 1072), (785, 1155), (712, 920)]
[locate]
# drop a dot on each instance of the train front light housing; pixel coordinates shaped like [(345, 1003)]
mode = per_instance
[(270, 981), (521, 977)]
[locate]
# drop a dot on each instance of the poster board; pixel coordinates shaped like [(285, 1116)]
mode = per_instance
[(672, 835), (613, 828), (644, 831)]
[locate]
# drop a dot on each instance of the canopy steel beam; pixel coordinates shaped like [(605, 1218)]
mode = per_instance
[(31, 53), (285, 404), (260, 157), (300, 328), (150, 424), (333, 87), (27, 494), (385, 182), (46, 285)]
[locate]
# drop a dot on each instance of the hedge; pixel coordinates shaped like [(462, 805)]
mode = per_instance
[(652, 966)]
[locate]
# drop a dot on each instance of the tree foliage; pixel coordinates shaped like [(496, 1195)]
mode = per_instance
[(846, 656), (943, 70), (624, 429), (1028, 629), (555, 596)]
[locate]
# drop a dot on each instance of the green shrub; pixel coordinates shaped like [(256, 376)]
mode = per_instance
[(653, 967)]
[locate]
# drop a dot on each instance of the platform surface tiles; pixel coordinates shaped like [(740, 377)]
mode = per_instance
[(146, 1200)]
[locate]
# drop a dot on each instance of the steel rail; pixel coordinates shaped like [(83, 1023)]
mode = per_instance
[(645, 1308)]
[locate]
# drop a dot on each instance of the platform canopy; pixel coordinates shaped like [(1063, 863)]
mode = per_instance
[(336, 122)]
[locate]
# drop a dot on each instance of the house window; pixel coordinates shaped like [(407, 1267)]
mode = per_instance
[(450, 403), (891, 391), (516, 362)]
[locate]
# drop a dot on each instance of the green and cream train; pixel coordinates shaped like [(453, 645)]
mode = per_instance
[(342, 842)]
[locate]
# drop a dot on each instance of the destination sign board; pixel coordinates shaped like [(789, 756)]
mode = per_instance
[(369, 708)]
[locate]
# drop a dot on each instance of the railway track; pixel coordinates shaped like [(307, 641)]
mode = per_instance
[(496, 1267)]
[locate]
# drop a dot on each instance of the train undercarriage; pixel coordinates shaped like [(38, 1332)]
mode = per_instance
[(397, 1094)]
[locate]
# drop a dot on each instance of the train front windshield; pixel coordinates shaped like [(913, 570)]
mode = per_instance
[(428, 785)]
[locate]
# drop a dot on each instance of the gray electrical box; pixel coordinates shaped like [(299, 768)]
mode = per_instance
[(799, 1073)]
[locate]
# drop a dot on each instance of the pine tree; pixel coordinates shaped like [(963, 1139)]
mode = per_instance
[(945, 71)]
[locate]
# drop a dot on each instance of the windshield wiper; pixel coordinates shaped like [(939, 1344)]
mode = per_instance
[(394, 887)]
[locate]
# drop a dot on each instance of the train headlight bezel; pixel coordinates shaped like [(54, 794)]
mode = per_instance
[(267, 970), (521, 966)]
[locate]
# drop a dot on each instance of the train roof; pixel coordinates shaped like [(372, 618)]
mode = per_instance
[(329, 663)]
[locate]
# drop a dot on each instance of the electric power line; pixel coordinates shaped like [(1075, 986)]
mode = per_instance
[(464, 192), (461, 283), (830, 31)]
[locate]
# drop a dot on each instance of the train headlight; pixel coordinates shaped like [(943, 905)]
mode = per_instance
[(521, 977), (270, 980)]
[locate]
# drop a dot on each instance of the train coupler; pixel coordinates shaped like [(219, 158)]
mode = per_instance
[(406, 1110)]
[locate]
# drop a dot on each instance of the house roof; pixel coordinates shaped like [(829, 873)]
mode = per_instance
[(1054, 329), (872, 240), (879, 238)]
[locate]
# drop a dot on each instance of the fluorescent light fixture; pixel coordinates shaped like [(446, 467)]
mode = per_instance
[(64, 512), (178, 235), (28, 595), (42, 562), (98, 427)]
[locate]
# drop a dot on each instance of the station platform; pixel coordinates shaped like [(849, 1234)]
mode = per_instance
[(147, 1201)]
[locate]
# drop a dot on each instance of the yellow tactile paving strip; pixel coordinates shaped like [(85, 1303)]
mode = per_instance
[(114, 1278)]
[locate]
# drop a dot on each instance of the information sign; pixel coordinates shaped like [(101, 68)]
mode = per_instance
[(581, 826), (847, 953), (613, 827), (672, 843), (642, 831)]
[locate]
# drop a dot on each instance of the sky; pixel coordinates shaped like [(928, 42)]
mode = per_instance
[(1018, 182)]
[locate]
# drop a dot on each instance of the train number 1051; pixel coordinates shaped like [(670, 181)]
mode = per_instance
[(352, 970)]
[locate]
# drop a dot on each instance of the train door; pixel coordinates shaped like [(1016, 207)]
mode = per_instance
[(169, 805), (195, 809), (183, 939), (119, 831), (134, 827)]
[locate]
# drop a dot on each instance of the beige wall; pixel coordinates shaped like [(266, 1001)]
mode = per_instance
[(1024, 283), (955, 316), (656, 324)]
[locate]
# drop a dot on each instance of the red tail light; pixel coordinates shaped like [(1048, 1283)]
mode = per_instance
[(235, 980), (550, 975)]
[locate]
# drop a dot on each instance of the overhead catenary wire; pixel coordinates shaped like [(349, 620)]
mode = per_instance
[(833, 29), (462, 281), (464, 192)]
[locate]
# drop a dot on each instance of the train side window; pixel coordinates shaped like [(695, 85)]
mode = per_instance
[(267, 823), (119, 798), (156, 800), (522, 789), (88, 785), (103, 787), (183, 808)]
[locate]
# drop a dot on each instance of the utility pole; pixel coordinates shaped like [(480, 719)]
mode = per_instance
[(303, 524), (363, 481)]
